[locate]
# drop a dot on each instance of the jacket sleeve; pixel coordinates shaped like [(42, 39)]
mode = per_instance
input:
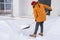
[(47, 7), (35, 14)]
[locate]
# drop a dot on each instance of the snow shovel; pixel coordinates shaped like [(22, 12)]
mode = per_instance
[(28, 26)]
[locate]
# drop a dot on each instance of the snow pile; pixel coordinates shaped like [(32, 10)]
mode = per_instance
[(11, 29)]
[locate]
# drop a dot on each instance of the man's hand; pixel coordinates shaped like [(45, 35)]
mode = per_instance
[(35, 19), (49, 10)]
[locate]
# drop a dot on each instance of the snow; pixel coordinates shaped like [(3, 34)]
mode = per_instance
[(11, 28)]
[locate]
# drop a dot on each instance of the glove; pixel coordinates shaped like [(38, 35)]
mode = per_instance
[(49, 10), (35, 19)]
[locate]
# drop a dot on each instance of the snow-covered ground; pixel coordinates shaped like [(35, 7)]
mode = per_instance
[(11, 29)]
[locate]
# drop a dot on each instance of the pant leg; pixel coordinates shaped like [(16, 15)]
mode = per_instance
[(41, 25), (36, 27)]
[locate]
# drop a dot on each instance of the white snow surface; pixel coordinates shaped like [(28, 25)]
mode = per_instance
[(11, 28)]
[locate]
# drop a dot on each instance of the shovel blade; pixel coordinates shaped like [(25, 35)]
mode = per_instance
[(26, 27)]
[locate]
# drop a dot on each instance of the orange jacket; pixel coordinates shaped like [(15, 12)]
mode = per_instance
[(39, 12)]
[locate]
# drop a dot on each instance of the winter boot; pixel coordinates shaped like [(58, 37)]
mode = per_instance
[(33, 35), (41, 34)]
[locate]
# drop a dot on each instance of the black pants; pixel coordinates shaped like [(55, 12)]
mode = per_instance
[(37, 26)]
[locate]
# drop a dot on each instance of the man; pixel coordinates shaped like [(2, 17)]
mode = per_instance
[(40, 16)]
